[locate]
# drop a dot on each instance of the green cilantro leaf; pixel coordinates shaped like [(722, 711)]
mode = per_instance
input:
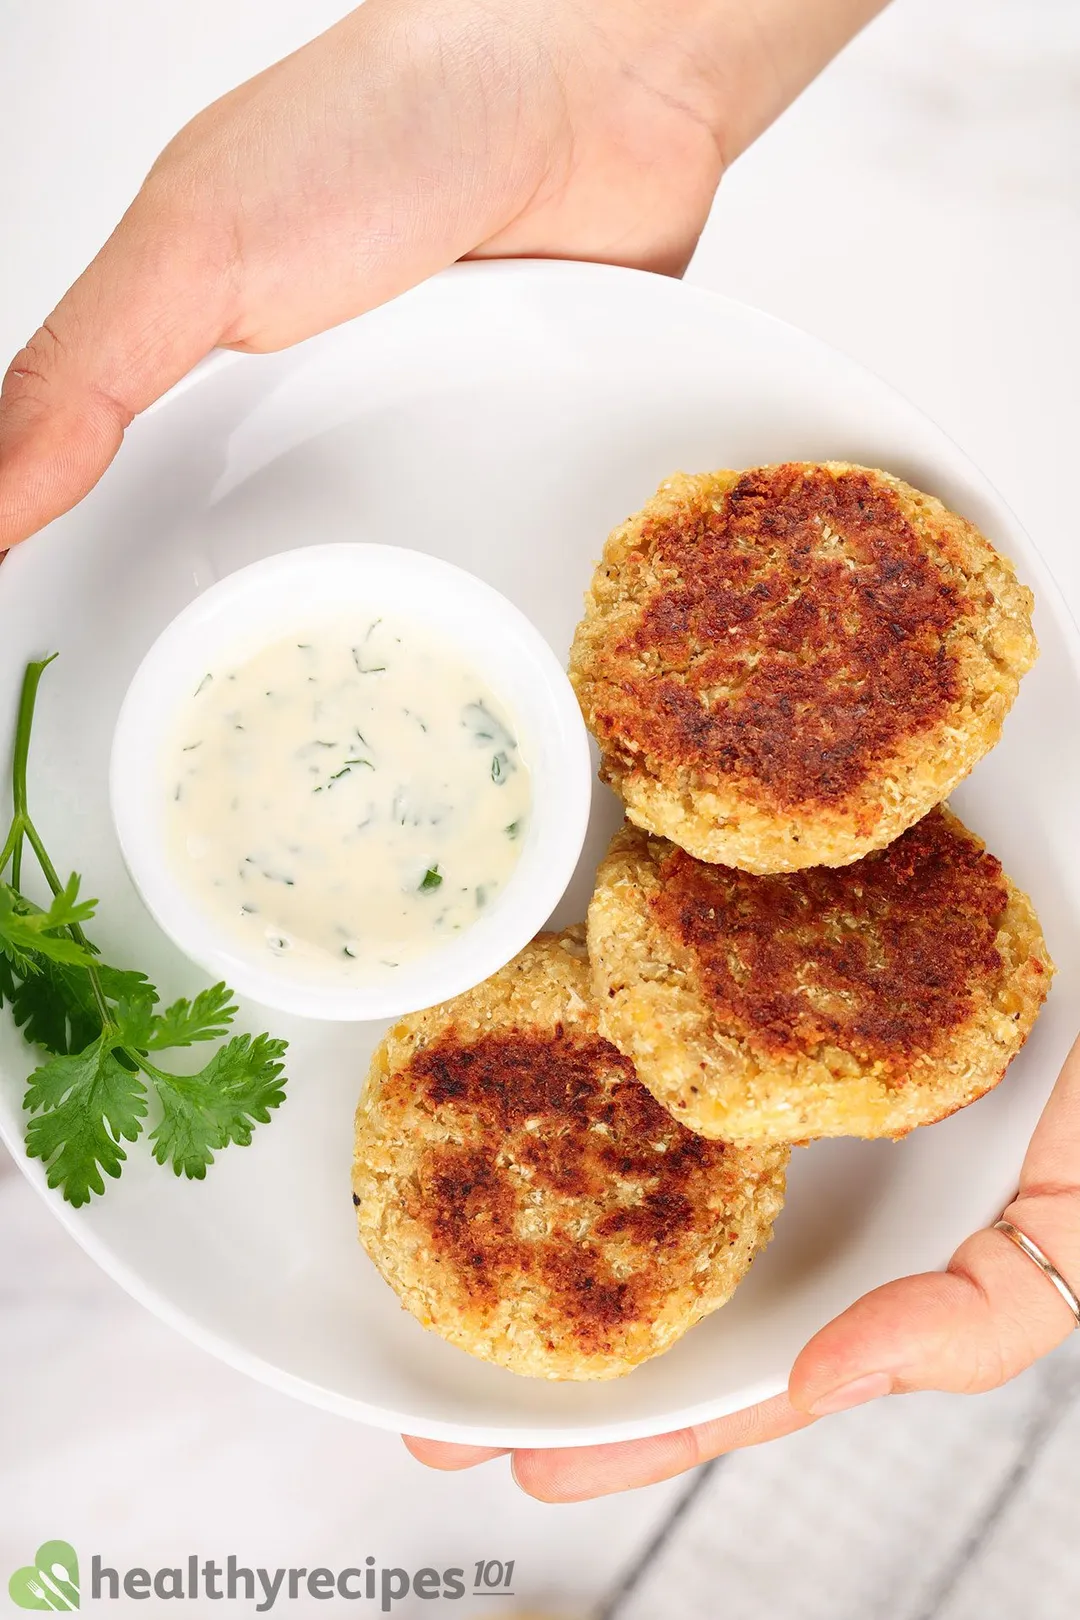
[(13, 948), (135, 999), (83, 1107), (66, 909), (221, 1104), (432, 879), (207, 1018), (26, 931), (125, 984), (8, 984), (55, 1008)]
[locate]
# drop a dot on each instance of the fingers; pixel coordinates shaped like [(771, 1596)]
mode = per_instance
[(327, 184), (985, 1319), (580, 1473), (147, 308), (439, 1454)]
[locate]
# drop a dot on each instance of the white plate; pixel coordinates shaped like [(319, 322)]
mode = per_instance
[(504, 417)]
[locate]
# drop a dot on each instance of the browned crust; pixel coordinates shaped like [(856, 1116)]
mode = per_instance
[(527, 1196), (810, 644), (570, 1115), (883, 959), (861, 1001), (825, 654)]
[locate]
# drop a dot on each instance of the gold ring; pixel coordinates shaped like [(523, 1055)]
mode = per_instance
[(1047, 1267)]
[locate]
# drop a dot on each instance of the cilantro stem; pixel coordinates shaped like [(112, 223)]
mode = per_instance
[(23, 828), (141, 1061), (31, 682), (51, 878), (13, 846), (13, 837)]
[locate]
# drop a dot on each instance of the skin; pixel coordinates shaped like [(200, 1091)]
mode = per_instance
[(411, 134), (414, 133)]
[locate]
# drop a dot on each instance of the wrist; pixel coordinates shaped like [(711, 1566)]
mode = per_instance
[(735, 65)]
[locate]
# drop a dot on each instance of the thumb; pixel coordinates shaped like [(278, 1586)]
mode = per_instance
[(988, 1316), (138, 318)]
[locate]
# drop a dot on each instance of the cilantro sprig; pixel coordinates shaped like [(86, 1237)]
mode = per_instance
[(100, 1025)]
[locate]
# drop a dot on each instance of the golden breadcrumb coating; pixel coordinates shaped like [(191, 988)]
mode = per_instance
[(854, 1001), (527, 1198), (789, 666)]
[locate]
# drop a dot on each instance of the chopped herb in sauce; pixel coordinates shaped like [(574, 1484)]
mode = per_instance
[(485, 728), (282, 822), (358, 656)]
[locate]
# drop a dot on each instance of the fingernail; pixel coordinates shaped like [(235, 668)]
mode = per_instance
[(870, 1387)]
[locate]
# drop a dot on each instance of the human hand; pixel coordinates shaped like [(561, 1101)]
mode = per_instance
[(968, 1329), (411, 134)]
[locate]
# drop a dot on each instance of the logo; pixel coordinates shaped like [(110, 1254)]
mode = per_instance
[(51, 1582)]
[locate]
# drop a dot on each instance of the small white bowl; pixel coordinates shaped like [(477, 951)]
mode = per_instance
[(256, 606)]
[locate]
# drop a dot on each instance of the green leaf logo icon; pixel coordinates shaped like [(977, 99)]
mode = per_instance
[(51, 1582)]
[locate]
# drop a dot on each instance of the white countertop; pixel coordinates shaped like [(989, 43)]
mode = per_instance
[(919, 208)]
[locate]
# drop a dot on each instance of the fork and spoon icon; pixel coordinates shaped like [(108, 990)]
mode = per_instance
[(54, 1591), (51, 1582)]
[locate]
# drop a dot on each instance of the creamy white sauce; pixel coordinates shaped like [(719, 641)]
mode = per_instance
[(347, 800)]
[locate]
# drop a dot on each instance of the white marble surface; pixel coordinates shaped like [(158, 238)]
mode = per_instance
[(920, 209), (920, 1508), (118, 1435)]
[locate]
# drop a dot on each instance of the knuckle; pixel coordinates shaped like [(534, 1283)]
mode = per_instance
[(1056, 1191), (985, 1371), (180, 150), (687, 1450), (35, 362)]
